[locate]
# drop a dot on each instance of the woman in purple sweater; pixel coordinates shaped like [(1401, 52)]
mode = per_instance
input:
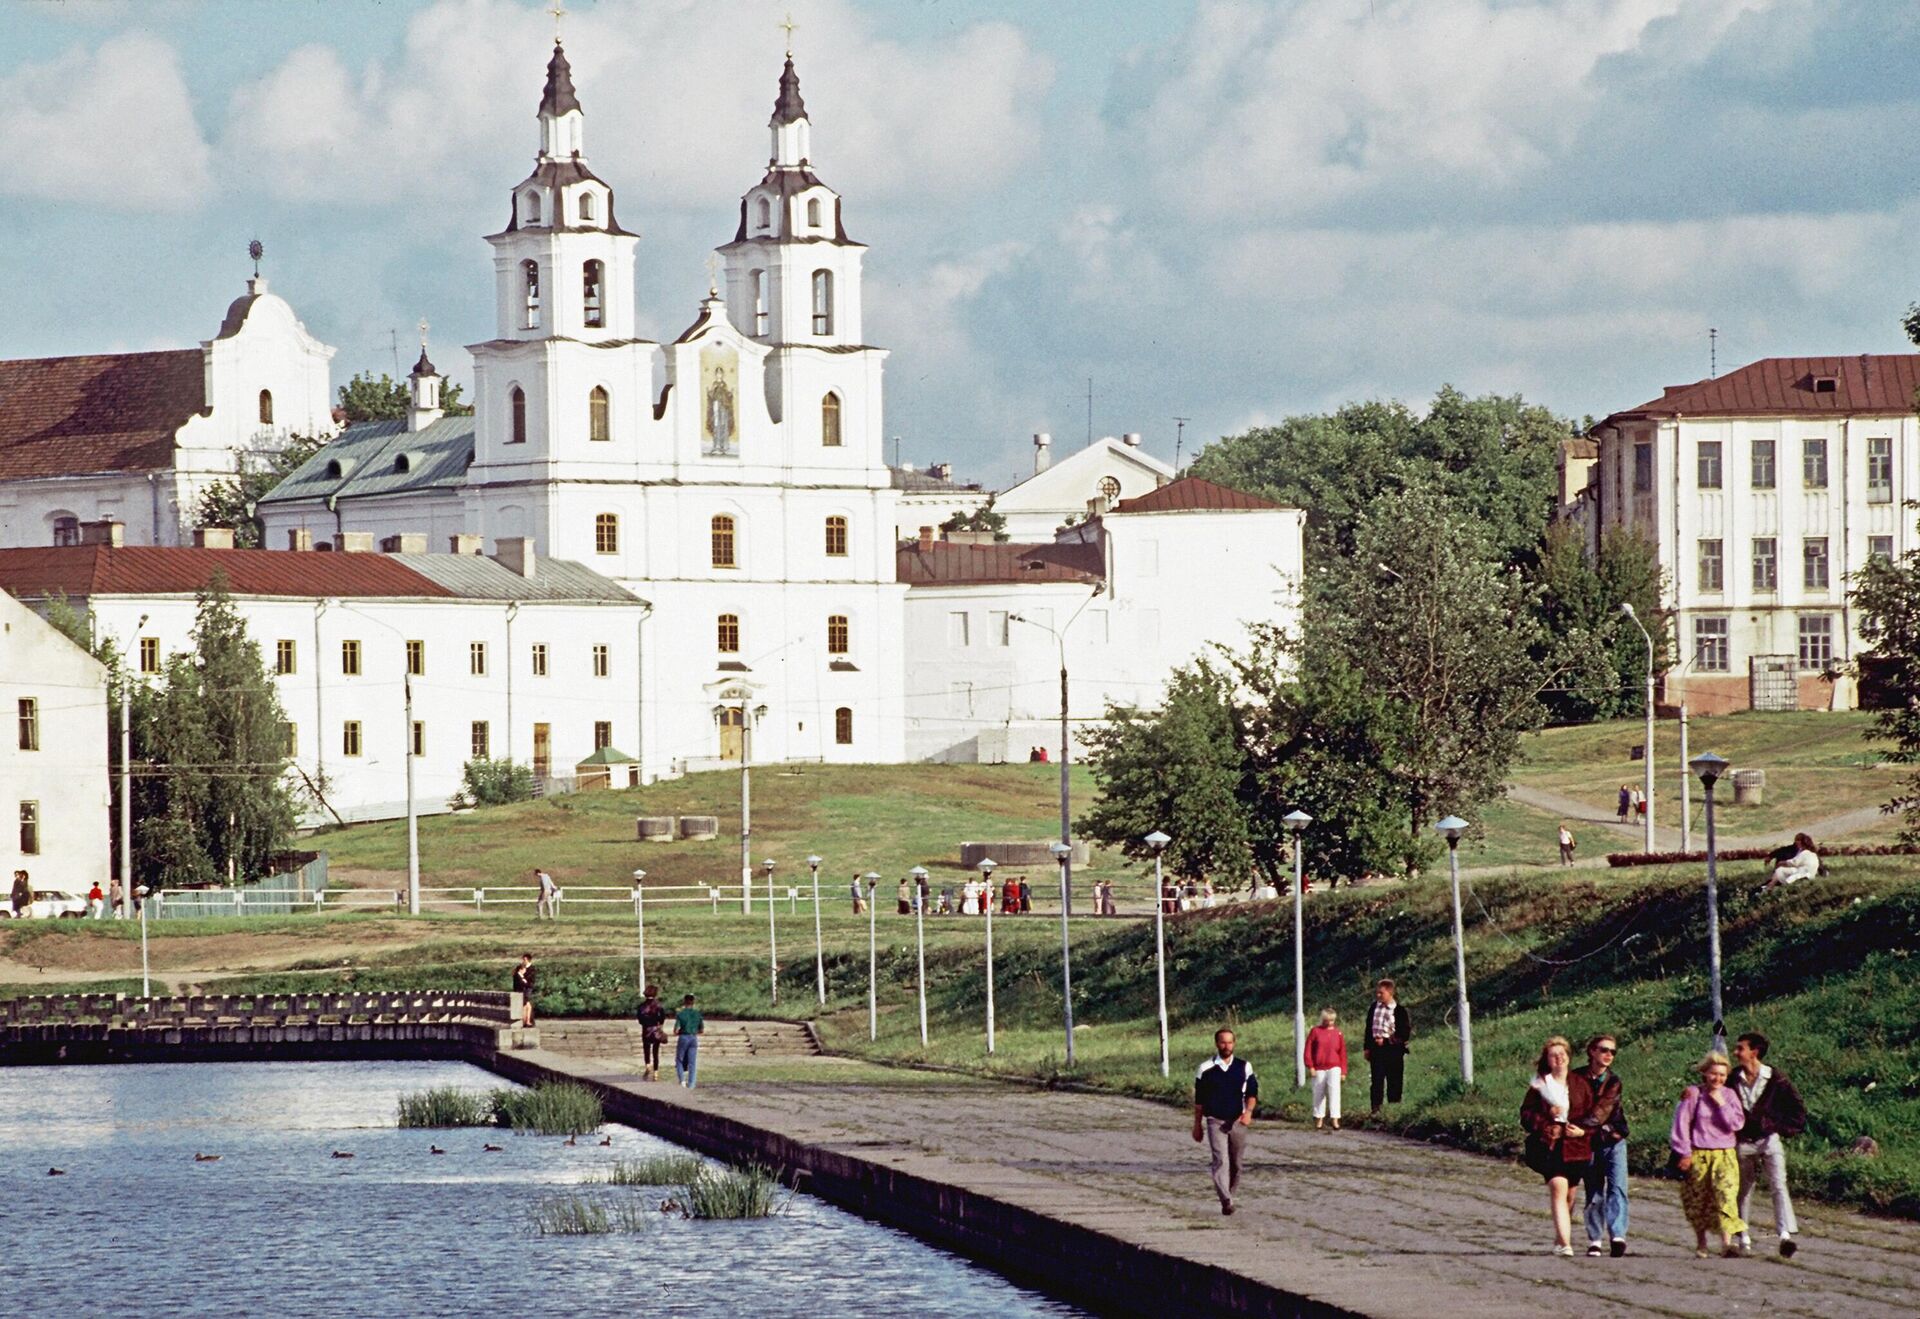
[(1706, 1127)]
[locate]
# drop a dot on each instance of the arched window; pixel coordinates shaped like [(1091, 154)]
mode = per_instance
[(530, 273), (530, 208), (837, 537), (723, 541), (606, 533), (586, 208), (843, 726), (758, 278), (813, 212), (66, 530), (837, 634), (823, 302), (591, 276), (830, 421), (763, 214), (266, 407), (517, 406), (599, 407), (727, 634), (1110, 488)]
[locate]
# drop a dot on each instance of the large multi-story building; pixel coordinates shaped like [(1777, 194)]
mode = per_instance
[(1764, 491), (53, 756)]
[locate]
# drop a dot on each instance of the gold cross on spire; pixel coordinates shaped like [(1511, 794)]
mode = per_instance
[(559, 12), (713, 274), (423, 334), (788, 27)]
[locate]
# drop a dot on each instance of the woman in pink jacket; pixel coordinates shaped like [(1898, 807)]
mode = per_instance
[(1327, 1061), (1706, 1127)]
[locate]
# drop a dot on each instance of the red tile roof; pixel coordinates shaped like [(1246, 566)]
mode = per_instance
[(1882, 383), (1191, 494), (944, 563), (105, 413), (88, 570)]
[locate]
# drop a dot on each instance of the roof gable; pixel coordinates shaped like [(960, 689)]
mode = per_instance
[(1871, 383), (118, 412), (1065, 484)]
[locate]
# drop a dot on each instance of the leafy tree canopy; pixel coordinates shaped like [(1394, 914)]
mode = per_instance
[(1886, 594), (1580, 597), (231, 501), (367, 398), (981, 519)]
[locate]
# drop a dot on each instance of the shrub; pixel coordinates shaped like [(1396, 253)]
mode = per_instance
[(746, 1191), (1622, 859), (581, 1216), (446, 1106), (492, 783), (676, 1169), (552, 1108)]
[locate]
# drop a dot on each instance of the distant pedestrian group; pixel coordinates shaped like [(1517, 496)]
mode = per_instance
[(1632, 803)]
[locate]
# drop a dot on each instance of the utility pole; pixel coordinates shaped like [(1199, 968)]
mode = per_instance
[(1179, 440), (413, 816), (1089, 410), (746, 809), (126, 800)]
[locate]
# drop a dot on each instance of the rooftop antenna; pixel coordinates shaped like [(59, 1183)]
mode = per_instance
[(256, 249), (393, 339), (1713, 352), (788, 26), (1089, 411), (896, 451), (1179, 438)]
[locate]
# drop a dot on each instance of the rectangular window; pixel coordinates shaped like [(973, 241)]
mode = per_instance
[(602, 733), (1710, 645), (417, 658), (289, 739), (29, 723), (350, 658), (721, 535), (606, 533), (285, 657), (1712, 566), (1813, 463), (602, 662), (480, 740), (477, 658), (30, 828), (957, 629), (1880, 547), (843, 726), (999, 629), (539, 659), (350, 738), (727, 634), (1879, 469), (1642, 469), (836, 537), (419, 738), (1816, 641), (149, 654), (1761, 457), (1813, 563), (837, 631), (1766, 563), (1707, 465)]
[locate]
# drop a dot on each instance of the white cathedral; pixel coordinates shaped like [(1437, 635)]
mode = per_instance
[(734, 479)]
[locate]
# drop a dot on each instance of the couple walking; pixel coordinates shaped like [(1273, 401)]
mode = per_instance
[(688, 1026), (1577, 1133)]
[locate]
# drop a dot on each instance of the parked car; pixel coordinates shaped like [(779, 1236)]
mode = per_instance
[(49, 902)]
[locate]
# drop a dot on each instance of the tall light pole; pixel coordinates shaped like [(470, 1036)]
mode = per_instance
[(773, 951), (413, 816), (1710, 768), (1297, 822), (1158, 842), (1063, 853), (746, 808), (140, 901), (987, 866), (819, 950), (640, 922), (917, 875), (1646, 751), (1451, 828), (1066, 751), (873, 958)]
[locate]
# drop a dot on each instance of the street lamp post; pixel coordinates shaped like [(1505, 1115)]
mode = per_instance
[(1297, 822), (918, 874), (873, 957), (1710, 768), (819, 951), (773, 951), (1066, 745), (640, 923), (140, 900), (1451, 828), (413, 816), (1647, 751), (987, 866), (1063, 852), (1158, 842)]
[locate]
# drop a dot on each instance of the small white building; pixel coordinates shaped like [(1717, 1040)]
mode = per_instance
[(1097, 477), (1133, 593), (1764, 491), (536, 660), (136, 438), (53, 756)]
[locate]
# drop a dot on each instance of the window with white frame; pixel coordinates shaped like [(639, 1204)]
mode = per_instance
[(1707, 465), (1813, 462), (150, 654), (823, 302), (1880, 547), (350, 737), (727, 634), (1760, 457), (599, 415), (1710, 645), (1712, 566), (1766, 563), (606, 533), (1813, 563), (838, 634), (479, 740), (1816, 641), (836, 537), (1879, 469), (29, 707), (29, 828)]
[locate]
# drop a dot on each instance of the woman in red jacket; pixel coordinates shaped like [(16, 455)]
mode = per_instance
[(1327, 1061)]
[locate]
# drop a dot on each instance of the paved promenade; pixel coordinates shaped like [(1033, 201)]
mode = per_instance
[(1362, 1223)]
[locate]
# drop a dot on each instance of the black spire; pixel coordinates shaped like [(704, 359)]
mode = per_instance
[(558, 97), (789, 106), (423, 367)]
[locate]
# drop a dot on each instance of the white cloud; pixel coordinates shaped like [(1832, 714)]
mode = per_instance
[(112, 128)]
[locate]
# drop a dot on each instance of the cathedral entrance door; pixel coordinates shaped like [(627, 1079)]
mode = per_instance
[(542, 750), (732, 732)]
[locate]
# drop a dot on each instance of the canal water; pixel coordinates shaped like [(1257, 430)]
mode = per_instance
[(278, 1226)]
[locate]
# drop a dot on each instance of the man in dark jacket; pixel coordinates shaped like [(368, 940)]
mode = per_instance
[(1774, 1114), (1388, 1030), (1225, 1092), (1594, 1106)]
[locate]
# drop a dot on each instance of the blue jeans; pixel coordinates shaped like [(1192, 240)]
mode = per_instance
[(686, 1055), (1607, 1193)]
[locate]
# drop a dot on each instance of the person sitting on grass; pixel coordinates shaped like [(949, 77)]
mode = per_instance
[(1793, 863)]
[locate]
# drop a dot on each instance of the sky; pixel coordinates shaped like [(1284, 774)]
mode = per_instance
[(1230, 211)]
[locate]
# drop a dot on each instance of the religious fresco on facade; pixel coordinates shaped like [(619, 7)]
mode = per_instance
[(719, 402)]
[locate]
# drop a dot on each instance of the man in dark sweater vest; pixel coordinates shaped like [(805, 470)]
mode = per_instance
[(1775, 1113), (1225, 1092)]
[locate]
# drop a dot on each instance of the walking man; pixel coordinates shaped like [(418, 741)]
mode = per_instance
[(859, 898), (548, 901), (22, 893), (1388, 1030), (1774, 1114), (1605, 1122), (1224, 1094), (688, 1025)]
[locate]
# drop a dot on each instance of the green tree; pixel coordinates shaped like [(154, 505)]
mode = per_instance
[(1886, 594), (232, 500), (367, 398), (1602, 654), (981, 519)]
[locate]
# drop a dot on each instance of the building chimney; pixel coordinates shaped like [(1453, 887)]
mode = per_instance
[(515, 553), (926, 539), (1131, 439), (464, 542), (1096, 506), (213, 538), (107, 531), (940, 471), (355, 542), (299, 538), (1042, 452), (406, 542)]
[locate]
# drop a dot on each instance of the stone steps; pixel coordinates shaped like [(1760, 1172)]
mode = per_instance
[(723, 1039)]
